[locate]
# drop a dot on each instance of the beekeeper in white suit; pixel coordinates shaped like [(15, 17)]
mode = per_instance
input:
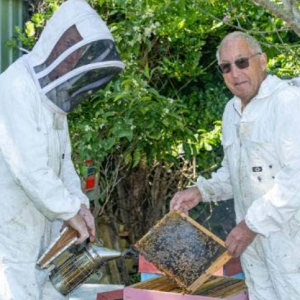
[(260, 170), (74, 56)]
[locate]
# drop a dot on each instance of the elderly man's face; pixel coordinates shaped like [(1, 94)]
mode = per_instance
[(244, 83)]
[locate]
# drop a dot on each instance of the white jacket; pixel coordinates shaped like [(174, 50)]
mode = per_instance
[(35, 154), (36, 171), (261, 167), (38, 181)]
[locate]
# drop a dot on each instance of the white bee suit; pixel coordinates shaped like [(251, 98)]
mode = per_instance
[(261, 171), (38, 182)]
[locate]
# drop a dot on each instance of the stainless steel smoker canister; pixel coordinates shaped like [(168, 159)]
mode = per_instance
[(77, 268)]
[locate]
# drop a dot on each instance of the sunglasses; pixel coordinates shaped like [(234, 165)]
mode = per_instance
[(241, 63)]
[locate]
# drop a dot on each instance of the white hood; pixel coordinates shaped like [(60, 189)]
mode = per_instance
[(98, 63)]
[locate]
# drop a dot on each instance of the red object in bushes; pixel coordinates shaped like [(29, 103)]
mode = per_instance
[(90, 180), (90, 183)]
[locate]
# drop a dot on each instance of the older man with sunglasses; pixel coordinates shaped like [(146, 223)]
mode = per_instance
[(260, 170)]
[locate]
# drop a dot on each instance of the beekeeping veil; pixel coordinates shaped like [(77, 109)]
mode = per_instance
[(74, 56)]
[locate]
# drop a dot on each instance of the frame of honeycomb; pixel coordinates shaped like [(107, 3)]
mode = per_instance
[(184, 250)]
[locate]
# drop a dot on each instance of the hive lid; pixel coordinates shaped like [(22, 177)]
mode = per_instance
[(184, 250)]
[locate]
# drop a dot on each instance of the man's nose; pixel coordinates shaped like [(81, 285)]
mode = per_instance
[(234, 71)]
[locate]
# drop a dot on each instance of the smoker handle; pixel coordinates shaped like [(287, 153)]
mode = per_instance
[(67, 237)]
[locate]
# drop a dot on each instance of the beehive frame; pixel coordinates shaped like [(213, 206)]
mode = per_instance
[(184, 250)]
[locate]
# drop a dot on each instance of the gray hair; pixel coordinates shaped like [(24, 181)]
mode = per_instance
[(251, 41)]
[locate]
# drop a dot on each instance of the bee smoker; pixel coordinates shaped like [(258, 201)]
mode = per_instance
[(71, 265)]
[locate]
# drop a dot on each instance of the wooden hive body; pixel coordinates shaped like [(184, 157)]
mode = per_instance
[(184, 250), (163, 288)]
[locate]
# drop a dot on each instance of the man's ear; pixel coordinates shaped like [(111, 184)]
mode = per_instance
[(263, 61)]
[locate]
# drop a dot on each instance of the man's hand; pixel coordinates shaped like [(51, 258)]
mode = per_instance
[(186, 200), (79, 225), (239, 239), (89, 220)]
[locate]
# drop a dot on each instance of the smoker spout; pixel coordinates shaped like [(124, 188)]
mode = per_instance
[(101, 254)]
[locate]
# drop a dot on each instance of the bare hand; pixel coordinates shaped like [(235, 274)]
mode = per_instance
[(239, 239), (79, 225), (87, 216), (186, 200)]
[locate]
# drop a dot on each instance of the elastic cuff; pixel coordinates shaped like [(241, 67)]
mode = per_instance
[(252, 227), (68, 215), (204, 188), (86, 201)]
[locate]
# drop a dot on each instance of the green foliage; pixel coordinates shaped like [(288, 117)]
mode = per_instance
[(161, 107), (133, 120)]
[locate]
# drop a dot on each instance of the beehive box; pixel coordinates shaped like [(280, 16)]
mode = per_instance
[(184, 250), (163, 288), (111, 295)]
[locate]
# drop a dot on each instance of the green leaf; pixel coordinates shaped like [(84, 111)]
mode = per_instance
[(123, 132), (187, 150), (101, 2), (181, 24), (108, 143), (136, 157), (128, 159), (29, 29), (147, 71), (207, 147)]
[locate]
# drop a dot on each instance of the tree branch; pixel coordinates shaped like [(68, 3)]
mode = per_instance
[(292, 8), (288, 6), (280, 12)]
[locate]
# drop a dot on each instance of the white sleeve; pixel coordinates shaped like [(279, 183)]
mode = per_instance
[(24, 148), (217, 188), (272, 211), (70, 177)]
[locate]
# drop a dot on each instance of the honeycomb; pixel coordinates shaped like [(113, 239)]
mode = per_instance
[(180, 249)]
